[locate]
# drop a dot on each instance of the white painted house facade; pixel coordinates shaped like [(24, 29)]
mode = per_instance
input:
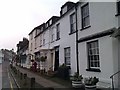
[(58, 39), (98, 50), (98, 40)]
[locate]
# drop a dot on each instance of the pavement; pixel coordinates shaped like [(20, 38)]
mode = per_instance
[(40, 80)]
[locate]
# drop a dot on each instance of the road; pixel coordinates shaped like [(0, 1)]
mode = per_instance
[(7, 80)]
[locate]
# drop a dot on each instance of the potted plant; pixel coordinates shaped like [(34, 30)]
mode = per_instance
[(76, 80), (63, 72), (90, 83), (43, 59)]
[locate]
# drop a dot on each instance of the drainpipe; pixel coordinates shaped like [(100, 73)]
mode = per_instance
[(76, 40)]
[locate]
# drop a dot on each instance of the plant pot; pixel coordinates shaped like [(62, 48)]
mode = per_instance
[(77, 84), (90, 87)]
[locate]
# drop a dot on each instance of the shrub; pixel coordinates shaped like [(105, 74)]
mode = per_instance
[(76, 77), (63, 72), (91, 81)]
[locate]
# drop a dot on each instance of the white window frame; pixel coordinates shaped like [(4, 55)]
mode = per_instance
[(52, 35), (67, 56), (93, 54), (44, 38), (64, 10), (85, 15), (40, 40), (35, 43), (58, 31), (72, 23), (31, 36)]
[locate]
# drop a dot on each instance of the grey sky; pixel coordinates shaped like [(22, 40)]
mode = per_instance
[(19, 17)]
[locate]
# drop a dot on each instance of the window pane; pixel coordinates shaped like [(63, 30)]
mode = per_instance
[(67, 56), (72, 23), (58, 31), (85, 15), (93, 55), (92, 64)]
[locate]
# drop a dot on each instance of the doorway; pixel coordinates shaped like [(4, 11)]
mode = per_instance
[(56, 65)]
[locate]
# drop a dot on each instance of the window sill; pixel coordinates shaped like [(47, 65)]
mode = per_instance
[(118, 14), (57, 39), (72, 32), (93, 70), (85, 28)]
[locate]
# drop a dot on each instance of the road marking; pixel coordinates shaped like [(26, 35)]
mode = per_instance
[(11, 85)]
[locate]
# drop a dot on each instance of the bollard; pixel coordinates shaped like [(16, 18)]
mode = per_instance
[(25, 79), (21, 75), (32, 82)]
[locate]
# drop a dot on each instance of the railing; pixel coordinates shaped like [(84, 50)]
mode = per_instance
[(112, 76)]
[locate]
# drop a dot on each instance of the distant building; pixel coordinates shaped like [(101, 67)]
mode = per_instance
[(1, 56), (9, 55), (22, 53)]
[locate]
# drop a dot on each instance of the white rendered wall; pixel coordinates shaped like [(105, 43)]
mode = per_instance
[(33, 43), (106, 59), (67, 40), (102, 17)]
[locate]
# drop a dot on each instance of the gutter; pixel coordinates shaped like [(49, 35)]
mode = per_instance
[(77, 59)]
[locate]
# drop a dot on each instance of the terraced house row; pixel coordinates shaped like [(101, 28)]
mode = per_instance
[(85, 37)]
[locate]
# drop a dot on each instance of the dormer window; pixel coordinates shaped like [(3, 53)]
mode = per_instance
[(50, 22), (31, 36), (64, 10), (41, 29), (37, 31), (46, 25)]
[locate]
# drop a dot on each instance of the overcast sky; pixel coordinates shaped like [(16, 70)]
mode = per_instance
[(19, 17)]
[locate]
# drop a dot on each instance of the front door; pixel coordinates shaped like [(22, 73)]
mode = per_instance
[(56, 59)]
